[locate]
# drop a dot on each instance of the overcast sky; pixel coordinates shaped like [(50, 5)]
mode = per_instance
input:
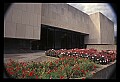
[(104, 8)]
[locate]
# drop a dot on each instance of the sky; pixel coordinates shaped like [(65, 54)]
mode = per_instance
[(104, 8)]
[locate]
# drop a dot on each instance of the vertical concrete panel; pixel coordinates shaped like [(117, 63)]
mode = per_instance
[(20, 31), (31, 19), (36, 32), (30, 8), (16, 16), (106, 25), (10, 29), (35, 19), (17, 6), (94, 29), (24, 16), (29, 32), (39, 20), (23, 6), (37, 8)]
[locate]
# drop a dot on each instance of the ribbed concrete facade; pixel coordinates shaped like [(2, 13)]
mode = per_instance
[(66, 17), (23, 21), (106, 30)]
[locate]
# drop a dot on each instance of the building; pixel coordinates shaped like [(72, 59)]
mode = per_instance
[(43, 26)]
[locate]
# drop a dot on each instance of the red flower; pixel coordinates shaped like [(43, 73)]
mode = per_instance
[(31, 73), (50, 63), (11, 73), (55, 68), (50, 77), (49, 71), (73, 68), (36, 77), (24, 64), (61, 77), (56, 62), (17, 68), (83, 77), (83, 72), (94, 66), (78, 68), (93, 73), (9, 64), (23, 71), (23, 75), (86, 70)]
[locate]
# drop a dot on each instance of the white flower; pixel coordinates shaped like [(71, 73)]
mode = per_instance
[(102, 56), (97, 59), (100, 61), (92, 57)]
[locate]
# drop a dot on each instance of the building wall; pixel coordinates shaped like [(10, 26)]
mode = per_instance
[(65, 16), (106, 30), (94, 30), (102, 47), (23, 21), (101, 30)]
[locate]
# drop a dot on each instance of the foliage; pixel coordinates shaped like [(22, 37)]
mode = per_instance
[(99, 57), (62, 68)]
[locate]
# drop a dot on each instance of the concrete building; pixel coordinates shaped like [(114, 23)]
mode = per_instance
[(43, 26)]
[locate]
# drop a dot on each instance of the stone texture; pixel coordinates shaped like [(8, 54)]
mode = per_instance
[(20, 31), (105, 71), (36, 32), (16, 16), (29, 32), (106, 25), (10, 29), (103, 47), (66, 18)]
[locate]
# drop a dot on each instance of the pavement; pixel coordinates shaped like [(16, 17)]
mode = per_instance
[(27, 57)]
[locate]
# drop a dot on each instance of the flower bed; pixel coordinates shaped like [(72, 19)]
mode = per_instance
[(100, 57), (62, 68)]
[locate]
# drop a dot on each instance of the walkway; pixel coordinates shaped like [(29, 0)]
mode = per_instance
[(28, 57)]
